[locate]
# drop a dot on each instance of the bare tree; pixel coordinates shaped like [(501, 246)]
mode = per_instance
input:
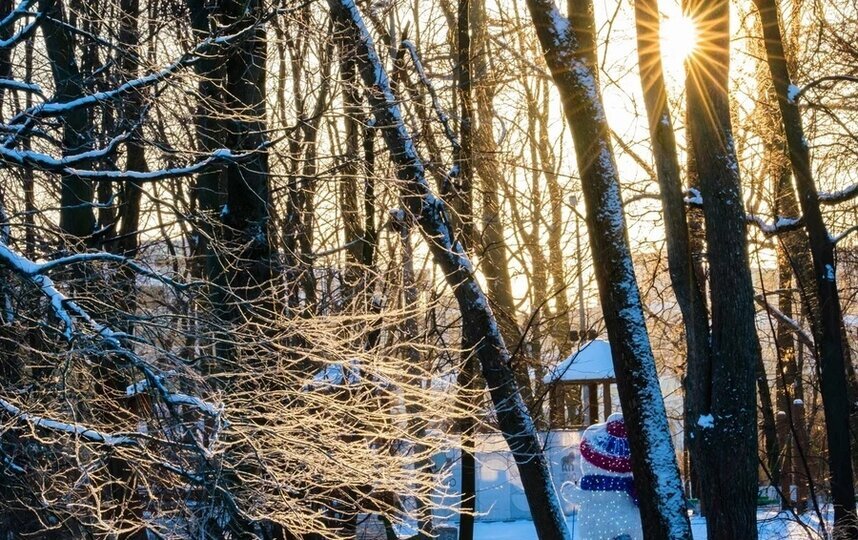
[(689, 293), (570, 51), (835, 392), (480, 326), (728, 416)]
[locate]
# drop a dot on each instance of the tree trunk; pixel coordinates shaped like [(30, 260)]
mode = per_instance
[(793, 260), (77, 218), (791, 428), (248, 200), (410, 331), (129, 38), (835, 391), (479, 324), (795, 271), (462, 193), (208, 191), (562, 326), (27, 174), (729, 478), (536, 270), (127, 240), (354, 273), (570, 51), (299, 221), (240, 194), (683, 276), (771, 445), (493, 254)]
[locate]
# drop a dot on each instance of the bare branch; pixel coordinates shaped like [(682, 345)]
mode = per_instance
[(802, 334)]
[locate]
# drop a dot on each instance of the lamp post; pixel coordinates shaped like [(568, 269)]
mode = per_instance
[(591, 402), (582, 317)]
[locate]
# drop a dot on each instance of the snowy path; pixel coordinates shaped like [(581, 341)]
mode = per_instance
[(524, 530), (771, 526)]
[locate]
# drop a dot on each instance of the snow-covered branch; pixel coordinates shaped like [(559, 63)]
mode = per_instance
[(782, 225), (803, 335), (12, 84), (48, 163), (205, 47), (838, 237), (66, 427), (67, 310), (29, 158), (693, 197), (443, 117), (218, 157), (834, 197), (20, 10), (30, 269), (798, 93), (20, 35), (109, 257)]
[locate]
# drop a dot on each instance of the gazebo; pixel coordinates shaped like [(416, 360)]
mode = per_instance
[(574, 386)]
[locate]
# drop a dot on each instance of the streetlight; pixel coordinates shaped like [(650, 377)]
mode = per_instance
[(582, 317)]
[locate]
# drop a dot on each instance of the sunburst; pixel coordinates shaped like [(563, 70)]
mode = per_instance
[(679, 40)]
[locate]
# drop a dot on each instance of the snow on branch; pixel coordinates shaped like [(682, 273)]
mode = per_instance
[(218, 157), (838, 237), (797, 94), (65, 427), (67, 310), (443, 117), (44, 162), (174, 398), (693, 197), (843, 195), (19, 11), (156, 379), (20, 35), (109, 257), (12, 466), (782, 225), (32, 269), (29, 269), (49, 163), (803, 335), (53, 109), (12, 84)]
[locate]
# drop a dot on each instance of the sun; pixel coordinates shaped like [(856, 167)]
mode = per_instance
[(679, 39)]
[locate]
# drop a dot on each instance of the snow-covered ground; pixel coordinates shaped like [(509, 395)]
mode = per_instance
[(772, 526)]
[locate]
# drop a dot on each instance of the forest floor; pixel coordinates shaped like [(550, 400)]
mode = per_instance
[(771, 524)]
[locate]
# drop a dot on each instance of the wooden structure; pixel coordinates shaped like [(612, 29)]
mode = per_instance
[(574, 387)]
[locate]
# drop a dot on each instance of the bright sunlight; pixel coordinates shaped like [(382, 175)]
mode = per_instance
[(678, 41)]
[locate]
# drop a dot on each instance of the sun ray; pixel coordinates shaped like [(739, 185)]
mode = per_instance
[(679, 40)]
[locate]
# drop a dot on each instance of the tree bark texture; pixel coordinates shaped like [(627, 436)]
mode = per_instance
[(730, 420)]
